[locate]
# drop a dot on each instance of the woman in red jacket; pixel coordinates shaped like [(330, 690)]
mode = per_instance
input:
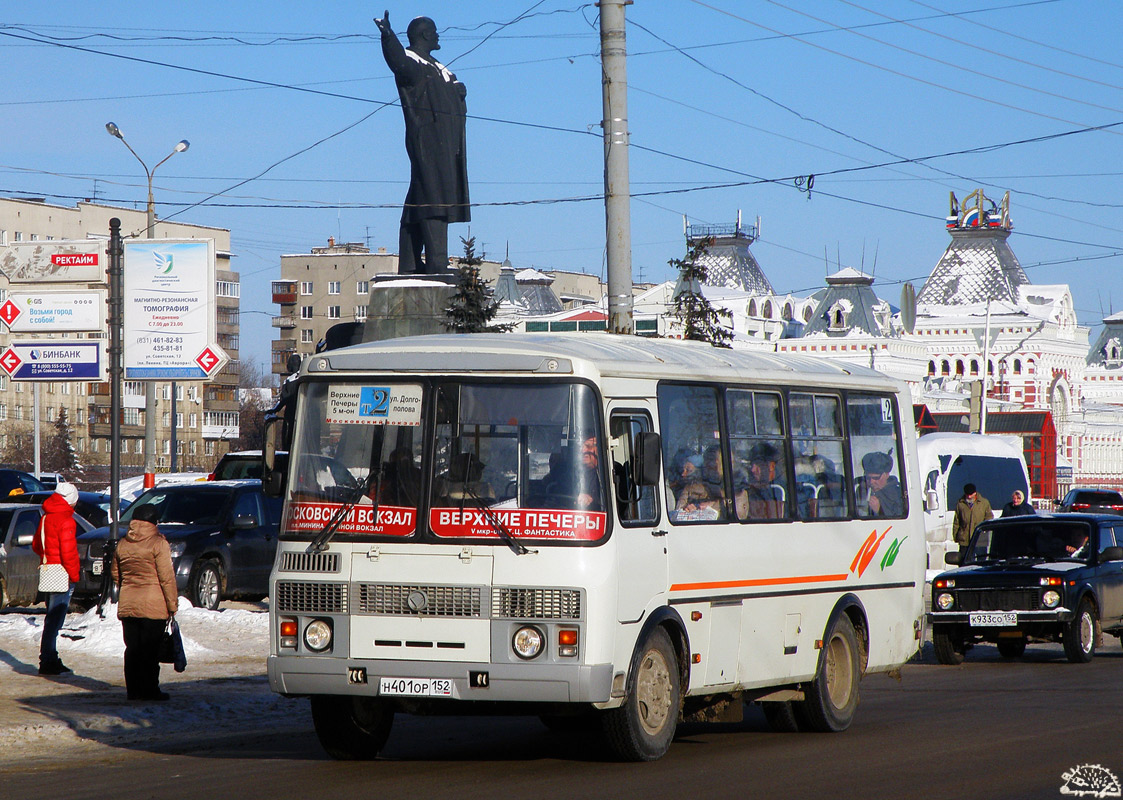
[(56, 540)]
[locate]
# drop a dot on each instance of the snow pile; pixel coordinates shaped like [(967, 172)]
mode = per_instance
[(207, 635)]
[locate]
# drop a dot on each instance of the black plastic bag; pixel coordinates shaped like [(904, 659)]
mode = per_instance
[(171, 647)]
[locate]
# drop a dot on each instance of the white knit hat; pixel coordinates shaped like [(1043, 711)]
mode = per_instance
[(68, 492)]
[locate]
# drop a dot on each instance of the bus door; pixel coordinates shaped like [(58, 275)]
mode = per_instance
[(640, 541)]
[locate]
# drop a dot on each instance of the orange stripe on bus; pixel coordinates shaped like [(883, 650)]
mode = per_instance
[(686, 587)]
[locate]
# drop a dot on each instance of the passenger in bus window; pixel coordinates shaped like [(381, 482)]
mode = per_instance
[(764, 496), (704, 499), (578, 482), (401, 479), (885, 497), (462, 480), (807, 489)]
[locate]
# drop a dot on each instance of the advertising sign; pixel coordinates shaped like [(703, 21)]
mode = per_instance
[(169, 290), (62, 261), (51, 312), (311, 517), (47, 361)]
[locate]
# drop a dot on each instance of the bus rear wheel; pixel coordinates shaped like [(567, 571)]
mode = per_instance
[(831, 698), (642, 728), (351, 728)]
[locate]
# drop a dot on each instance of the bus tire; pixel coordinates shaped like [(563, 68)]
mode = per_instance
[(949, 649), (351, 728), (642, 728), (1080, 634), (831, 698)]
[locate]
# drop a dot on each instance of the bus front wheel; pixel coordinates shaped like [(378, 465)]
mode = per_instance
[(351, 728), (831, 698), (642, 728)]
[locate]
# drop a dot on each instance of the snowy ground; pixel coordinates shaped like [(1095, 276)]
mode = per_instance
[(223, 690)]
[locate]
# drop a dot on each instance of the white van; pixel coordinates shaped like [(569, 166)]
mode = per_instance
[(994, 463)]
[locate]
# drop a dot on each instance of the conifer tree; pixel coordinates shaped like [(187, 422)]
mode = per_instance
[(700, 321), (472, 306), (63, 456)]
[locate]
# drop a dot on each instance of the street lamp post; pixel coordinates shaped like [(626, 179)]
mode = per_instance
[(149, 386)]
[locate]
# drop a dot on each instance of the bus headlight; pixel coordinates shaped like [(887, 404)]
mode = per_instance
[(317, 636), (1051, 599), (527, 642), (945, 601)]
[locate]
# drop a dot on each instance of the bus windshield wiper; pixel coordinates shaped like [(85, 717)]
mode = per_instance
[(501, 530), (320, 542)]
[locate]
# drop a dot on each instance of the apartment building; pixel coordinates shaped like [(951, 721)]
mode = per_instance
[(206, 413)]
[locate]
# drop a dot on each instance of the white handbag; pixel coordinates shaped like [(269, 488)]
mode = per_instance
[(52, 577)]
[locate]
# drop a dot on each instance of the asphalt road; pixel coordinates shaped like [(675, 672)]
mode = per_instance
[(986, 729)]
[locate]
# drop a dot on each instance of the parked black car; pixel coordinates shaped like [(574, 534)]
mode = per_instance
[(13, 479), (19, 566), (1092, 501), (223, 537), (1032, 579)]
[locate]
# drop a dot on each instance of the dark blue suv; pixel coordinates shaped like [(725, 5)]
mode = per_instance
[(223, 537), (1032, 579)]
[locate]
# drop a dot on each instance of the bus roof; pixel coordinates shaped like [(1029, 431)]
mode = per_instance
[(587, 355)]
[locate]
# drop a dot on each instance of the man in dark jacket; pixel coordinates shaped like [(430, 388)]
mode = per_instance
[(433, 103), (55, 543)]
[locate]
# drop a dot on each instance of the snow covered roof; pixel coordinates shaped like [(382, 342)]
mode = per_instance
[(978, 265)]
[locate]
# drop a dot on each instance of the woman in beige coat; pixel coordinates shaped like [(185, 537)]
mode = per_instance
[(142, 568)]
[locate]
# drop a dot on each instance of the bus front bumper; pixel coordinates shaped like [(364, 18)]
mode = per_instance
[(532, 683)]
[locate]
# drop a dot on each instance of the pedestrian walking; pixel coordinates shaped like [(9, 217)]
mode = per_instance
[(142, 568), (971, 510), (55, 543)]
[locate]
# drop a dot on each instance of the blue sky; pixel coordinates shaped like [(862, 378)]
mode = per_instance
[(729, 102)]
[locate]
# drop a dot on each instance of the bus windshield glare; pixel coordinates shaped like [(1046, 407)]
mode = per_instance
[(507, 460)]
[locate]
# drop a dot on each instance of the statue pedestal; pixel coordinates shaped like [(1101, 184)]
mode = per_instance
[(403, 306)]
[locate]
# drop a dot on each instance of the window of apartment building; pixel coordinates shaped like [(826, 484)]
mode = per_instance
[(166, 446), (19, 387), (333, 287), (228, 289), (17, 236), (333, 312), (194, 420), (208, 448), (166, 419), (51, 413), (362, 287), (3, 411), (134, 388), (3, 380), (306, 336), (306, 287), (3, 236), (131, 416), (306, 312), (34, 237), (360, 313), (194, 447), (95, 445), (228, 341)]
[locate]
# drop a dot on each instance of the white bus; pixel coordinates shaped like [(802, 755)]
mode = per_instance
[(606, 531)]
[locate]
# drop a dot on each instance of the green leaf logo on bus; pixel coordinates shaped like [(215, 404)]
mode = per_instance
[(891, 553)]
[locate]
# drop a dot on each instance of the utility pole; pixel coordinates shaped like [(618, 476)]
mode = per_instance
[(617, 191)]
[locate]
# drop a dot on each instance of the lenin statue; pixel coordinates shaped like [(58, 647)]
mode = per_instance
[(433, 104)]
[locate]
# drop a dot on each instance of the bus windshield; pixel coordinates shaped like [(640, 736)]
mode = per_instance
[(519, 460)]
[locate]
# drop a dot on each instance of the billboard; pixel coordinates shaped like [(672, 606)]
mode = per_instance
[(169, 314), (62, 261)]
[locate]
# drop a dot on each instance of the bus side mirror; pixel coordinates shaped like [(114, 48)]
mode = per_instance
[(648, 447), (931, 500), (272, 477)]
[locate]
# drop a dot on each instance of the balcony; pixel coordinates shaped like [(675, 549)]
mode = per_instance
[(284, 292), (285, 321)]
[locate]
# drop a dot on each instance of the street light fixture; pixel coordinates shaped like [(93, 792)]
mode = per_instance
[(149, 386)]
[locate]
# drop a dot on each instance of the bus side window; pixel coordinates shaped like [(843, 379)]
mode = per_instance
[(879, 490), (760, 475), (816, 425), (635, 504), (689, 424)]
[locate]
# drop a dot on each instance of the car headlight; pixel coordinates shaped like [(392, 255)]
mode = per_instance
[(1051, 599), (177, 548), (317, 636), (945, 601), (527, 642)]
